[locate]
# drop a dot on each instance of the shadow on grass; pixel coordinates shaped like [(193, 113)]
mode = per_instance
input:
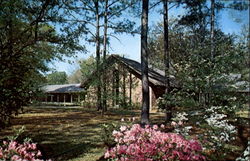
[(67, 150), (64, 133)]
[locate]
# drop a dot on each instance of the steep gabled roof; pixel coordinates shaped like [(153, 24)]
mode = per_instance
[(156, 77), (63, 88)]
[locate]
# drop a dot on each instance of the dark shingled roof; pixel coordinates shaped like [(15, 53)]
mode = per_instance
[(63, 88), (156, 76)]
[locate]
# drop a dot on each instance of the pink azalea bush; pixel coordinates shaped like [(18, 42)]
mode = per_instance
[(11, 150), (149, 144)]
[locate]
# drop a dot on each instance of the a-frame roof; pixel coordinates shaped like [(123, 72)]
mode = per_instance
[(156, 76)]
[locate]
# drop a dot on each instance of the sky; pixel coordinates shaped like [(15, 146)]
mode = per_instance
[(129, 45)]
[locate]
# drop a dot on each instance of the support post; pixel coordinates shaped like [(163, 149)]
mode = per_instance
[(117, 87), (150, 99), (64, 99), (113, 89), (130, 90)]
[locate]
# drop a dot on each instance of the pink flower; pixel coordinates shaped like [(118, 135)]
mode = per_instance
[(15, 151), (107, 155), (140, 144), (173, 123), (155, 127), (162, 126), (122, 120), (114, 132), (123, 128), (15, 157), (39, 153), (180, 123), (5, 143)]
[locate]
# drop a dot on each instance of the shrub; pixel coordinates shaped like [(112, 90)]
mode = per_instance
[(11, 150), (149, 143), (107, 129)]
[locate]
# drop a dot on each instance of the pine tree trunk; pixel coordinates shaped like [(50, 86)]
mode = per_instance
[(212, 30), (113, 89), (144, 64), (166, 59), (124, 88), (99, 95), (104, 55), (212, 51), (130, 90)]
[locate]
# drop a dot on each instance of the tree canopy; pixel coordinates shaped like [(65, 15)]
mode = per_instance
[(28, 42), (57, 78)]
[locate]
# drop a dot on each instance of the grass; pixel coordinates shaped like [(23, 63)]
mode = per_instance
[(74, 133), (68, 133), (243, 113)]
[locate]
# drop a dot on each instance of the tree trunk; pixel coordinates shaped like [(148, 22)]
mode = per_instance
[(113, 89), (117, 85), (212, 51), (99, 94), (130, 90), (104, 55), (124, 88), (144, 64), (212, 30), (166, 59)]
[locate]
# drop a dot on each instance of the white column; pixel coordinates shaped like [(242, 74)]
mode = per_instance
[(150, 99), (71, 98)]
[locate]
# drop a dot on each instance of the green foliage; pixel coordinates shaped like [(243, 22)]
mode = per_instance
[(108, 128), (107, 136), (28, 42), (75, 77), (203, 82), (57, 78), (87, 67), (17, 133)]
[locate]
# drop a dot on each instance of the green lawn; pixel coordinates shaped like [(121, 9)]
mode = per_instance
[(65, 133)]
